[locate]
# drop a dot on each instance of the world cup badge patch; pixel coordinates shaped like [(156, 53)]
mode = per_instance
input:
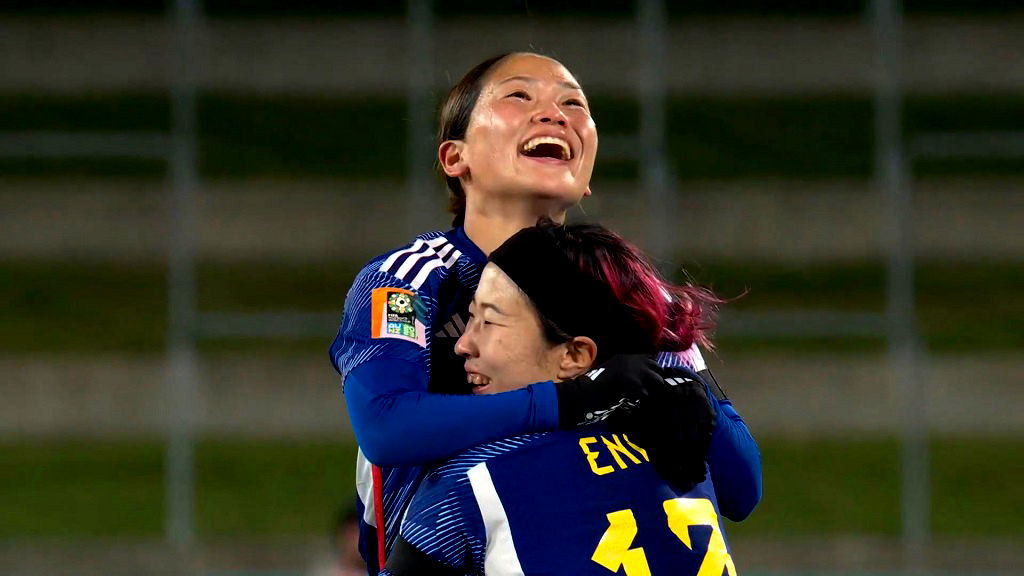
[(396, 315)]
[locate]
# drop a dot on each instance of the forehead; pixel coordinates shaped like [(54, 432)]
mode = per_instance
[(531, 66), (497, 288)]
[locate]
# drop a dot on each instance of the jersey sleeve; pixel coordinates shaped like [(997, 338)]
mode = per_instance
[(734, 458), (398, 423), (735, 463), (384, 317), (382, 351)]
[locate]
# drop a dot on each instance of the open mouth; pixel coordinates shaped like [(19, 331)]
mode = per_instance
[(547, 147), (477, 380)]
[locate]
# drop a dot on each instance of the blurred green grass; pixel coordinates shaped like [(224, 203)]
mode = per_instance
[(75, 488), (106, 307), (817, 486), (281, 136), (252, 487)]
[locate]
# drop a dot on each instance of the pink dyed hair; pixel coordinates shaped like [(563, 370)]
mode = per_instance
[(675, 316)]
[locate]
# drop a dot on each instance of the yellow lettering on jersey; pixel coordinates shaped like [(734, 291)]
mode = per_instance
[(635, 447), (685, 512), (614, 548), (616, 447), (592, 456)]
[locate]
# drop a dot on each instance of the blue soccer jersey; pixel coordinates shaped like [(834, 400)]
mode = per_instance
[(404, 385), (402, 378), (578, 502)]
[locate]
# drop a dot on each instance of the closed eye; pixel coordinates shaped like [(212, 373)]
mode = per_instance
[(575, 102), (519, 94)]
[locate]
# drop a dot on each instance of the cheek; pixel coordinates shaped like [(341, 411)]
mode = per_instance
[(502, 128), (496, 352), (584, 125), (550, 359), (511, 355), (589, 137), (490, 123)]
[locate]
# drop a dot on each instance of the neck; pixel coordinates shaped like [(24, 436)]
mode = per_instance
[(489, 226)]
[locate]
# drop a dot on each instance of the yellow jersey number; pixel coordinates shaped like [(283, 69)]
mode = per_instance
[(614, 552)]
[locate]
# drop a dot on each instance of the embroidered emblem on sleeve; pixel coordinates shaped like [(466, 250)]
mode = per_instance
[(395, 314)]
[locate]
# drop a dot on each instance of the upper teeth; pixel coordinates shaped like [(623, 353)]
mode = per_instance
[(566, 154)]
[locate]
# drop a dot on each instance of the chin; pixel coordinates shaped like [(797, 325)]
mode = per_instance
[(563, 196)]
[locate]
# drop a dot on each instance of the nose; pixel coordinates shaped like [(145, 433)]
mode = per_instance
[(550, 113), (463, 346)]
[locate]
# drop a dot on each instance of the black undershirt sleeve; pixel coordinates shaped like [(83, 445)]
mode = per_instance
[(716, 388), (407, 560)]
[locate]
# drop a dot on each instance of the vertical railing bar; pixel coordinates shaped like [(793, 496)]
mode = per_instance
[(181, 348)]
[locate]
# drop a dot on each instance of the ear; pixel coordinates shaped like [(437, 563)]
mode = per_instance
[(449, 156), (579, 356)]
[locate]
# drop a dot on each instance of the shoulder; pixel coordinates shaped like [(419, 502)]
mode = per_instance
[(458, 466), (420, 267), (419, 261)]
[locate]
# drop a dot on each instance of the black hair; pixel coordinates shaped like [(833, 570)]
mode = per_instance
[(454, 122)]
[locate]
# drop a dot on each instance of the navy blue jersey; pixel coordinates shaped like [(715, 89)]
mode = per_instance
[(404, 384), (574, 502)]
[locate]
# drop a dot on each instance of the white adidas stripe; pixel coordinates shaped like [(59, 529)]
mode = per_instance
[(419, 246), (386, 266), (432, 265), (438, 250), (428, 251)]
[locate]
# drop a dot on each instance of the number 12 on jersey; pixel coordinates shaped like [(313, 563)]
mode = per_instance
[(613, 551)]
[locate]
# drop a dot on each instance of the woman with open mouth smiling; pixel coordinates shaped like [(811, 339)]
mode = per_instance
[(516, 143)]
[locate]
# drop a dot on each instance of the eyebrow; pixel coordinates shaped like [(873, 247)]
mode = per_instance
[(488, 305), (528, 79)]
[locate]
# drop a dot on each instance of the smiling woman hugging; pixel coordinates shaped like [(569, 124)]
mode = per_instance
[(517, 142), (582, 501)]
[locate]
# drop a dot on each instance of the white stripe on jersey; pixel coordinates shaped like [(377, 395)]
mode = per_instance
[(364, 488), (419, 245), (428, 250), (436, 263), (501, 558), (444, 251), (394, 257), (437, 252)]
